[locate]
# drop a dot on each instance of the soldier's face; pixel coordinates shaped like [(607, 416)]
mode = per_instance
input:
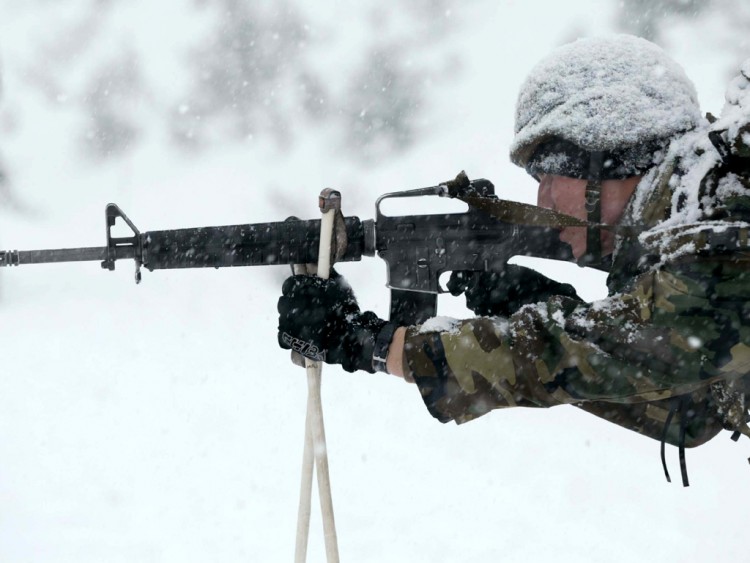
[(568, 196)]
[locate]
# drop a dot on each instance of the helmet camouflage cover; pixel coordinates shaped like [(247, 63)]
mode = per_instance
[(617, 94)]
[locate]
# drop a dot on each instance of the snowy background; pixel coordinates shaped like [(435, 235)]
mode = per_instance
[(160, 422)]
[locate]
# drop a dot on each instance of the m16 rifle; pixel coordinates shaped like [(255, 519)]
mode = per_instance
[(416, 248)]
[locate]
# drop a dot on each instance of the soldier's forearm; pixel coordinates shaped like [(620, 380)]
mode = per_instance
[(395, 360)]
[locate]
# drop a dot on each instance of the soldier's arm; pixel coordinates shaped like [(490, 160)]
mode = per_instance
[(676, 331), (395, 360)]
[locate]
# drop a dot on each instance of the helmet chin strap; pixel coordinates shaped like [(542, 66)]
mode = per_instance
[(593, 255)]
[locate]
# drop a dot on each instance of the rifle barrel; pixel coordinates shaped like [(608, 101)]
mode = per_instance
[(18, 257)]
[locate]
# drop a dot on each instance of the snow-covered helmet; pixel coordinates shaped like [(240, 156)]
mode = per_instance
[(619, 94), (601, 108)]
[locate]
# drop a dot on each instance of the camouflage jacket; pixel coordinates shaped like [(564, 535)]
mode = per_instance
[(674, 327)]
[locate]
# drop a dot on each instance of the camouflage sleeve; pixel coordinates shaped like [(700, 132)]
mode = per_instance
[(677, 330)]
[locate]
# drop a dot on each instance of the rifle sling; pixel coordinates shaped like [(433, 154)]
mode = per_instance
[(517, 213)]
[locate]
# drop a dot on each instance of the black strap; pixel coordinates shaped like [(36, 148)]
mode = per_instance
[(672, 409), (682, 403), (594, 210), (382, 343)]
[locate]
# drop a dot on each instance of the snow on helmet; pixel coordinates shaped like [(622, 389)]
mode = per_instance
[(618, 94)]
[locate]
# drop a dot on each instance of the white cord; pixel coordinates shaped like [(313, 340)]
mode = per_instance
[(315, 450)]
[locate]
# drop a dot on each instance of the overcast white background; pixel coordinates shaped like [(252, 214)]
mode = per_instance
[(161, 423)]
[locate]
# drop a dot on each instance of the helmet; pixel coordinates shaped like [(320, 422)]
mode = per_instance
[(621, 95)]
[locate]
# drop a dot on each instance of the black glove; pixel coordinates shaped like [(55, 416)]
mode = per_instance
[(502, 293), (321, 320)]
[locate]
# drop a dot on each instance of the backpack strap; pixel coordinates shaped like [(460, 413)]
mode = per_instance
[(681, 404)]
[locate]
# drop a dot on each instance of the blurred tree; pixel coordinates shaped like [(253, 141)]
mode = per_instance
[(253, 70), (645, 17), (737, 37), (255, 75), (7, 196), (381, 105), (242, 75), (113, 94)]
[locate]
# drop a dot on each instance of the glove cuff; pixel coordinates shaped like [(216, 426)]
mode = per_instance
[(359, 346)]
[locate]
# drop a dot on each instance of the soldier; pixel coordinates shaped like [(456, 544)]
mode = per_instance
[(611, 130)]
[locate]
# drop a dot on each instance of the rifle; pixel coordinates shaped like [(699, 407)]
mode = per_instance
[(416, 248)]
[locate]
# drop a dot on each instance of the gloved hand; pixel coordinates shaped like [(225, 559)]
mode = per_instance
[(321, 320), (502, 293)]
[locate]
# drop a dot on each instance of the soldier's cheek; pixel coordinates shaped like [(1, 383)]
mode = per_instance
[(576, 238)]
